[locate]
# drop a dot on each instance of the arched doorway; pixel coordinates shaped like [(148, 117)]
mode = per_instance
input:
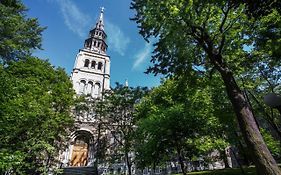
[(81, 149)]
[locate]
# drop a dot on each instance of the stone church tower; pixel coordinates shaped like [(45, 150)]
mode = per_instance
[(90, 76), (91, 72)]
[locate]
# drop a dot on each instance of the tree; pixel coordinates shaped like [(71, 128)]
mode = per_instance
[(34, 115), (213, 36), (19, 34), (88, 107), (172, 119), (257, 84), (259, 8), (118, 109)]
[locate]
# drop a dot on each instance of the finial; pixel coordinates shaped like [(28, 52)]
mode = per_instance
[(102, 9), (101, 14)]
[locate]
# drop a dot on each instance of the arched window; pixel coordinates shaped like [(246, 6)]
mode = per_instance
[(97, 89), (99, 65), (87, 62), (87, 44), (90, 87), (93, 65), (82, 85)]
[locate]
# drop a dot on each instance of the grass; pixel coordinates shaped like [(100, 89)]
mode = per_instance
[(234, 171)]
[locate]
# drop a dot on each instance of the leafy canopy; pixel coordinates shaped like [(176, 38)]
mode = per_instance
[(19, 34), (173, 119), (34, 115)]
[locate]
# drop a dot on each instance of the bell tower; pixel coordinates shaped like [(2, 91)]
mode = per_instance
[(91, 72)]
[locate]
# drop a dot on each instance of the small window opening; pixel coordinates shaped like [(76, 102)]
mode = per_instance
[(93, 65), (99, 66), (86, 64)]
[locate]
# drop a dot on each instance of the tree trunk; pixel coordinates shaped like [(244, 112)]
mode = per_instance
[(267, 117), (224, 157), (181, 161), (238, 162), (243, 153), (128, 162), (98, 151), (265, 163)]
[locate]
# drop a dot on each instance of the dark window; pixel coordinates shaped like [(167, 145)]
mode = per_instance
[(99, 66), (87, 44), (87, 62), (93, 65)]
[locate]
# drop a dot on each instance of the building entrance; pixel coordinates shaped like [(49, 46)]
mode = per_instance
[(80, 151)]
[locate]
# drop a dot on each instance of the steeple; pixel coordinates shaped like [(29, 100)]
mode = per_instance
[(91, 72), (100, 23), (97, 36)]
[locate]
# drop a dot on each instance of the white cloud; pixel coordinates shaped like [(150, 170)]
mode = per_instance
[(74, 18), (143, 56), (117, 40)]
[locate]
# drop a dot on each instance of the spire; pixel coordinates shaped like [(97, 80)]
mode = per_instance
[(100, 23), (96, 40)]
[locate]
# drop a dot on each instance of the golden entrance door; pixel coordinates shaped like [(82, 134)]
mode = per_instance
[(79, 154)]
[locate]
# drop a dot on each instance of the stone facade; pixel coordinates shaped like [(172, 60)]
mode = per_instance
[(91, 72), (90, 77)]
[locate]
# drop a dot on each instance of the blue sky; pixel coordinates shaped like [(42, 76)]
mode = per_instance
[(68, 23)]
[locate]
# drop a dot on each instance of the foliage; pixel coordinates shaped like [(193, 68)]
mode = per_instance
[(35, 115), (209, 37), (273, 145), (117, 109), (174, 121), (259, 8), (19, 34)]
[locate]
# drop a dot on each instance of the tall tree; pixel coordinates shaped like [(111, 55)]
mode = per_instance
[(19, 34), (35, 115), (172, 119), (119, 109), (213, 36)]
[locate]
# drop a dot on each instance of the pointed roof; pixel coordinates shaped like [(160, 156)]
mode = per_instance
[(96, 40), (100, 22)]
